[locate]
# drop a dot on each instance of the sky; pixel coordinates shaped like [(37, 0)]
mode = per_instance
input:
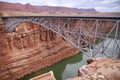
[(99, 5)]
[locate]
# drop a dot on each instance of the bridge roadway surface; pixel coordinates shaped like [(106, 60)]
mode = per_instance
[(83, 15)]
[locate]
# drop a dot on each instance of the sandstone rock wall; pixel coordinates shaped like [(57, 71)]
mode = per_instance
[(30, 48)]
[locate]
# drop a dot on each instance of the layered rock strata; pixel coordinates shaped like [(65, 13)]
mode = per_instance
[(30, 48)]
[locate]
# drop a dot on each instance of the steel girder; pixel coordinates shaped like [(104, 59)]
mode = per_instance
[(91, 36)]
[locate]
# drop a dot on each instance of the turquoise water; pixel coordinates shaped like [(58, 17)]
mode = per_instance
[(62, 70)]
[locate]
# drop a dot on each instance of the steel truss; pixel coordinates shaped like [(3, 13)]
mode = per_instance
[(92, 36)]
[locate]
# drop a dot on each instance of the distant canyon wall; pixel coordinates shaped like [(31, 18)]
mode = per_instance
[(30, 48), (34, 8)]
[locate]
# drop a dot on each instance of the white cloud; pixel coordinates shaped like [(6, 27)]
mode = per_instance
[(68, 5), (109, 1), (107, 9)]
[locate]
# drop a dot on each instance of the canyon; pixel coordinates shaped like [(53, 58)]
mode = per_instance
[(30, 48)]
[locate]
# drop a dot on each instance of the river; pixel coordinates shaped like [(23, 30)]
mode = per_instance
[(62, 70)]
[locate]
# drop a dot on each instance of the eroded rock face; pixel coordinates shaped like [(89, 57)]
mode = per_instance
[(100, 69), (30, 48)]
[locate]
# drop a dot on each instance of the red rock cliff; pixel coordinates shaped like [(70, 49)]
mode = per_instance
[(29, 7), (30, 48)]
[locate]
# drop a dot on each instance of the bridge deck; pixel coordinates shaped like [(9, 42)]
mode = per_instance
[(18, 14), (71, 16)]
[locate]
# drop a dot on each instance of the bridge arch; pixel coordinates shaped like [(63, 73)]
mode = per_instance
[(87, 31), (16, 24)]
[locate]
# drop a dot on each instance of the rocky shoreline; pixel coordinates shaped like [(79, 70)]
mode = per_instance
[(99, 69)]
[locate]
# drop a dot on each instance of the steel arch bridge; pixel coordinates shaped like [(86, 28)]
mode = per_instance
[(94, 36)]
